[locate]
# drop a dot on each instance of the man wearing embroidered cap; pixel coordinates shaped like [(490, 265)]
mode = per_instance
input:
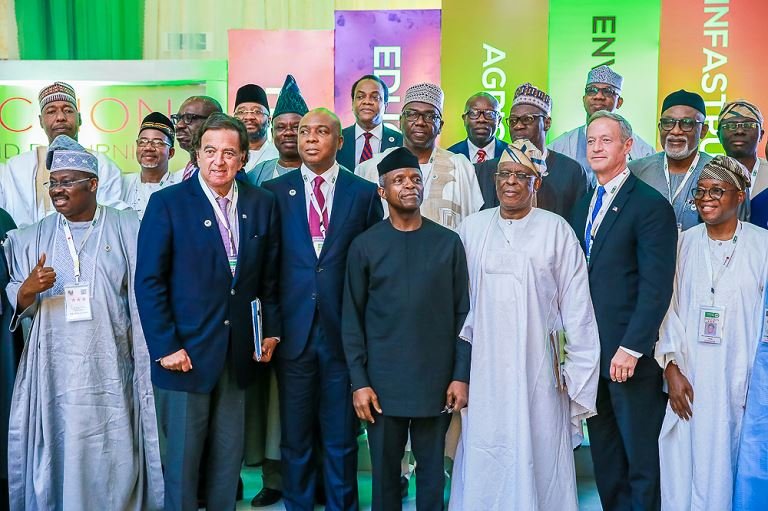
[(154, 147), (602, 92), (289, 110), (86, 368), (481, 120), (565, 181), (708, 342), (528, 281), (252, 107), (22, 193), (451, 191), (378, 321)]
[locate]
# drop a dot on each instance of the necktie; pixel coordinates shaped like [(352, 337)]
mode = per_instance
[(367, 153), (317, 227), (188, 171), (481, 155), (224, 230), (595, 211)]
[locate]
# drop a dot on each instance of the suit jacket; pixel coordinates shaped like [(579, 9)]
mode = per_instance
[(631, 270), (346, 155), (463, 148), (186, 294), (311, 284)]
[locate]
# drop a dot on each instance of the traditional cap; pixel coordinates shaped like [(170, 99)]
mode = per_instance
[(740, 108), (684, 98), (400, 158), (290, 100), (527, 94), (66, 154), (428, 93), (523, 151), (57, 91), (157, 121), (251, 93), (730, 170), (604, 74)]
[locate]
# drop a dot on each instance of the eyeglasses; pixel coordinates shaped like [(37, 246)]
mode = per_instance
[(526, 119), (520, 177), (474, 114), (733, 126), (413, 115), (65, 184), (714, 193), (187, 118), (157, 143), (686, 123), (255, 112), (608, 92)]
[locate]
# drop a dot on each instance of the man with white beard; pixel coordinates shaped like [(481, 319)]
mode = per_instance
[(675, 171)]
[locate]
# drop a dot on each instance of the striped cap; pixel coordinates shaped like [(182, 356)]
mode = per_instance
[(58, 91)]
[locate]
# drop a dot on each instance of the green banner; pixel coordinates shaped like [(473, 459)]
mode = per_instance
[(623, 34), (492, 46)]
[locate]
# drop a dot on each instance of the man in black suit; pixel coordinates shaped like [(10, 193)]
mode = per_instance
[(369, 135), (565, 180), (628, 231)]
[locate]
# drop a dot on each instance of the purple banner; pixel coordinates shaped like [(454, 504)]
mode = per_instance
[(401, 47)]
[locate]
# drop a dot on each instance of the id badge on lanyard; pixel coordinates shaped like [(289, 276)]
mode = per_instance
[(77, 296), (711, 320), (764, 337)]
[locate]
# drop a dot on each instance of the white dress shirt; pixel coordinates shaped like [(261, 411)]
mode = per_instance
[(377, 132), (328, 187), (234, 224), (490, 150)]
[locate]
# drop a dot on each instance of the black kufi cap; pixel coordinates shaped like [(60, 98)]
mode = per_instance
[(684, 98), (400, 158), (158, 121), (251, 93)]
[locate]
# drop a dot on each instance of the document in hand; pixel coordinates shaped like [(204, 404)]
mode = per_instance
[(257, 333)]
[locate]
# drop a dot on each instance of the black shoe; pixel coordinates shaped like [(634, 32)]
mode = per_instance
[(404, 487), (266, 497), (240, 489)]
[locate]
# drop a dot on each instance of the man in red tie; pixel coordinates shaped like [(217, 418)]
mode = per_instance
[(368, 136), (482, 118)]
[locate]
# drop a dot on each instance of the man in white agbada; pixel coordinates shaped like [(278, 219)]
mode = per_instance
[(527, 397), (451, 190), (708, 342), (82, 429), (22, 193), (154, 147)]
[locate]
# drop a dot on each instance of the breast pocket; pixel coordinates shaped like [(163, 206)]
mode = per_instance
[(502, 262)]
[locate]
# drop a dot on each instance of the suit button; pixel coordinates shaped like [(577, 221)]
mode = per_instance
[(232, 292), (318, 269), (226, 322), (314, 296)]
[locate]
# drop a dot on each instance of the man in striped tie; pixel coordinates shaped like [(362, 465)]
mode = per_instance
[(482, 118)]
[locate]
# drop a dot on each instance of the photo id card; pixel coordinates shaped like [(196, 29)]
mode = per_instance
[(317, 243), (711, 324), (77, 302)]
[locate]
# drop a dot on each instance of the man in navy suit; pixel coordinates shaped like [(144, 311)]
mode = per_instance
[(629, 234), (323, 208), (208, 248), (481, 120), (369, 135)]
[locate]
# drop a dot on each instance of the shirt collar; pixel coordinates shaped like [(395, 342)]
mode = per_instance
[(489, 148), (377, 132), (329, 175), (614, 183), (212, 194)]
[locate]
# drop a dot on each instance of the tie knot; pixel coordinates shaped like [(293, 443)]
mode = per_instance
[(600, 191), (318, 181), (223, 202), (367, 136)]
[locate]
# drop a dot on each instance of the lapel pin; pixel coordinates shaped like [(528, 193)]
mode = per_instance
[(391, 139), (245, 216), (615, 209), (291, 192), (207, 223)]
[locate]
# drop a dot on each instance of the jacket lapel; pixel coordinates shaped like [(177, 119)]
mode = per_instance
[(342, 202), (208, 221), (610, 217), (297, 206)]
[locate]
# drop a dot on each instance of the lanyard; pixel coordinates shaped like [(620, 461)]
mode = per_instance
[(723, 265), (315, 204), (592, 227), (681, 186), (224, 220), (75, 253), (755, 169)]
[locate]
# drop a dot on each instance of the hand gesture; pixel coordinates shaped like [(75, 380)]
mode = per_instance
[(456, 396), (363, 399), (40, 279), (178, 361), (680, 392), (268, 345), (622, 366)]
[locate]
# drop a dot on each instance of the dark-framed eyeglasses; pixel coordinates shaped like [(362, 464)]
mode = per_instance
[(733, 126), (65, 184), (520, 177), (413, 116), (686, 123), (526, 119), (490, 115), (157, 143), (188, 118), (608, 92), (715, 193)]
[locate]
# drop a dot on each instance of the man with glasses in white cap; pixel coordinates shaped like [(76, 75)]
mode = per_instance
[(602, 92), (481, 120), (22, 193), (451, 190)]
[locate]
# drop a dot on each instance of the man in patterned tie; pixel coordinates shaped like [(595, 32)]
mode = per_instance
[(368, 136), (481, 120)]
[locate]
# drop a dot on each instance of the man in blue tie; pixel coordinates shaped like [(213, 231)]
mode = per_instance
[(629, 234), (323, 208), (208, 249)]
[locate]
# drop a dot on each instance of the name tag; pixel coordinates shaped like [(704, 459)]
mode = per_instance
[(232, 265), (317, 243), (77, 302), (711, 324)]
